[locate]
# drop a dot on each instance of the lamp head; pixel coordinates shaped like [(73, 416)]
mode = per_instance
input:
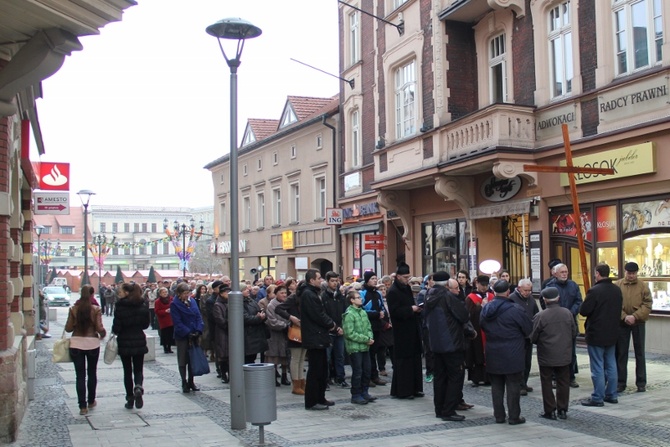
[(233, 28), (39, 229), (85, 192)]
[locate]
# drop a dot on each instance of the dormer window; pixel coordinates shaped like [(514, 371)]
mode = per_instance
[(289, 116)]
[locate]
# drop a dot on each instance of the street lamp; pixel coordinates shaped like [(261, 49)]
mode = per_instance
[(85, 197), (184, 250), (235, 29), (100, 244), (38, 230)]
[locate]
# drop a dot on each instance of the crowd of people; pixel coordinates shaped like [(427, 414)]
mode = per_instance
[(486, 328)]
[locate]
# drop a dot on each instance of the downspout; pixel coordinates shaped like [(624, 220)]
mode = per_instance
[(338, 240)]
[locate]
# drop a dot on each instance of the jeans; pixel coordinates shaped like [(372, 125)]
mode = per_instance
[(85, 361), (335, 353), (360, 371), (623, 344), (133, 365), (603, 372)]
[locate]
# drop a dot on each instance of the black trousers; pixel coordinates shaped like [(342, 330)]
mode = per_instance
[(133, 366), (317, 377), (511, 383), (638, 333), (562, 398), (448, 382)]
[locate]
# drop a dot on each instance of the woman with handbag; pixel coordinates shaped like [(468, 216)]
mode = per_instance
[(256, 334), (131, 318), (290, 310), (220, 315), (277, 352), (188, 327), (85, 322), (162, 309)]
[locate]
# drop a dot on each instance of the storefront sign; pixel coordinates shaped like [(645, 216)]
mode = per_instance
[(606, 228), (564, 225), (641, 215), (549, 123), (361, 210), (503, 209), (224, 247), (54, 176), (333, 216), (634, 99), (495, 189), (626, 162), (287, 240)]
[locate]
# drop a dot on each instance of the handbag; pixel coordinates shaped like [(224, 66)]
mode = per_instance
[(295, 333), (198, 360), (111, 350), (61, 352)]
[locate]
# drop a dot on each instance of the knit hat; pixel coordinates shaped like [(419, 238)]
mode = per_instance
[(549, 293), (440, 276), (631, 267), (501, 286), (216, 284), (554, 262), (367, 275), (403, 269)]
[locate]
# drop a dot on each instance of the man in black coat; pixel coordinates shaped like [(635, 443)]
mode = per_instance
[(602, 309), (523, 296), (333, 303), (316, 327), (407, 382)]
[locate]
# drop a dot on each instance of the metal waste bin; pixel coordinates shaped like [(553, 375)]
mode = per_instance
[(260, 393)]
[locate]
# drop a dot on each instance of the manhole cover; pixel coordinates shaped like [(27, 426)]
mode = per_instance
[(114, 421)]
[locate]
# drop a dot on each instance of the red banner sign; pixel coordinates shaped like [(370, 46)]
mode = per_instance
[(54, 176), (375, 238)]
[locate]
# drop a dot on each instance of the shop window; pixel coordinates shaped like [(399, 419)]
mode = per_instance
[(445, 246), (652, 253)]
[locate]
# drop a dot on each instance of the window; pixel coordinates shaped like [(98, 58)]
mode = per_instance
[(115, 228), (136, 227), (66, 230), (166, 248), (319, 141), (154, 228), (103, 227), (498, 69), (398, 3), (144, 227), (355, 139), (354, 38), (320, 188), (246, 213), (275, 158), (260, 199), (222, 179), (244, 169), (126, 227), (154, 248), (276, 203), (638, 34), (47, 229), (405, 100), (260, 164), (294, 151), (142, 247), (560, 50), (222, 218), (295, 202)]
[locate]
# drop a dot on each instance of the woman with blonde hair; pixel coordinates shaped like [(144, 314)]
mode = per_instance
[(84, 320), (131, 318)]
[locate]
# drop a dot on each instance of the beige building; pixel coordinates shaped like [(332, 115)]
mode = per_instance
[(287, 183)]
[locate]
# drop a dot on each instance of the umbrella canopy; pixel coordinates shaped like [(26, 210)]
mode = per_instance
[(152, 275), (119, 275)]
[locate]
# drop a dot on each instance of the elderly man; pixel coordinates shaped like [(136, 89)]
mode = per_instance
[(445, 315), (523, 296), (637, 303), (553, 331), (506, 326), (602, 309), (571, 299)]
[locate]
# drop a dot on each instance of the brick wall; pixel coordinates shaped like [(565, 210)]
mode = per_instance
[(588, 60), (427, 76), (524, 59), (462, 69)]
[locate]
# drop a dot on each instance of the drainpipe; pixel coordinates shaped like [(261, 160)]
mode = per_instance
[(338, 240)]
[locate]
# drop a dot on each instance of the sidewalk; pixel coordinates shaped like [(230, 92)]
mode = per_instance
[(170, 418)]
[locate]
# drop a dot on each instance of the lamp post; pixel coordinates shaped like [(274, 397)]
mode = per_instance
[(38, 230), (85, 197), (184, 250), (239, 30)]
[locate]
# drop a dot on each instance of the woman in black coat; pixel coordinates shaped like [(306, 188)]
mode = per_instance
[(255, 335), (131, 318)]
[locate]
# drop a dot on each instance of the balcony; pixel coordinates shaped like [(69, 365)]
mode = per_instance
[(500, 125)]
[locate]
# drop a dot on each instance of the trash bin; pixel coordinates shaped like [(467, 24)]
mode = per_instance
[(260, 393)]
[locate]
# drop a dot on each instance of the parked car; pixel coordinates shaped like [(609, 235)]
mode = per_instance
[(56, 296), (60, 282)]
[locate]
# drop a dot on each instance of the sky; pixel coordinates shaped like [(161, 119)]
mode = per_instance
[(145, 105)]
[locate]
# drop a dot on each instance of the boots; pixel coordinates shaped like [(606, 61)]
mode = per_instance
[(184, 387), (366, 395), (130, 402), (297, 388), (284, 378), (137, 393), (223, 366), (303, 383)]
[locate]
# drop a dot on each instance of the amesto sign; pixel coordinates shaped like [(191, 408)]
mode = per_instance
[(626, 162)]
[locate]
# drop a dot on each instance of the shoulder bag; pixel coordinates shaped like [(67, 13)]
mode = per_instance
[(295, 333), (111, 350), (61, 352)]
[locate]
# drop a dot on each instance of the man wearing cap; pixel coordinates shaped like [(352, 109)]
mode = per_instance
[(637, 304), (570, 297), (506, 326), (602, 309), (407, 382), (445, 317), (553, 332)]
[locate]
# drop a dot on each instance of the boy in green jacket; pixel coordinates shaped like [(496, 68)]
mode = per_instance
[(357, 341)]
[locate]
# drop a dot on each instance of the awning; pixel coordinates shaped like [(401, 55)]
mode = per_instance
[(500, 209), (361, 228)]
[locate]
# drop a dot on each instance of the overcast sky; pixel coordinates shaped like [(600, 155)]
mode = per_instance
[(146, 104)]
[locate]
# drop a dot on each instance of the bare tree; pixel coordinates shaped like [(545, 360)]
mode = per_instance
[(204, 261)]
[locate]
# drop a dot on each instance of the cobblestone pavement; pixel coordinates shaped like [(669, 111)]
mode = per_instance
[(170, 418)]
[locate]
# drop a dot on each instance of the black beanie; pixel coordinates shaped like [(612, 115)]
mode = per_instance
[(367, 275)]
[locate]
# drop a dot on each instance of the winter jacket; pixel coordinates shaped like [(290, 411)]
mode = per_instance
[(255, 336), (316, 324), (334, 304), (186, 318), (407, 342), (553, 331), (445, 316), (602, 309), (287, 309), (131, 318), (278, 326), (374, 305), (357, 330), (220, 328), (162, 314), (90, 337), (570, 295), (637, 300), (529, 304), (506, 326)]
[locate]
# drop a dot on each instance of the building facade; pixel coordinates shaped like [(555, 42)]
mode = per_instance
[(286, 186), (452, 117)]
